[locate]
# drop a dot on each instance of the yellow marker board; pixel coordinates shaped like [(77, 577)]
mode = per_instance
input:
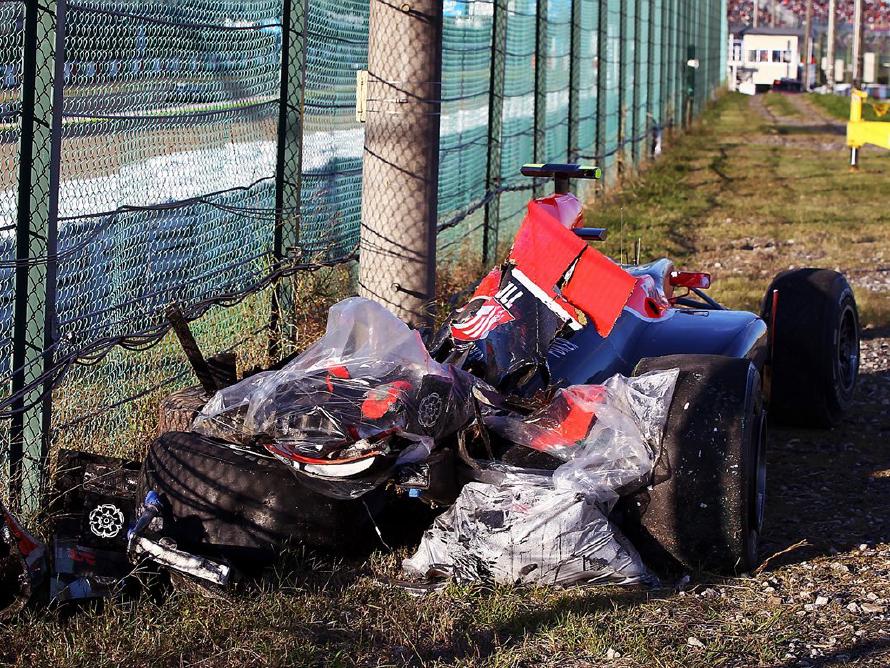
[(859, 132)]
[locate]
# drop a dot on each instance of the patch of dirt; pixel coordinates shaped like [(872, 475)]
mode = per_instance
[(810, 127), (873, 280)]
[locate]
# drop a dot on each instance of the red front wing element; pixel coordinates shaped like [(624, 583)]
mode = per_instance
[(568, 418)]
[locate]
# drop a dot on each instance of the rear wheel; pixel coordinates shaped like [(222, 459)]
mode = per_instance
[(705, 506), (815, 353)]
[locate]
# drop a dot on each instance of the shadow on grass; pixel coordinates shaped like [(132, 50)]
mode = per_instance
[(818, 129), (483, 643), (831, 488), (842, 656)]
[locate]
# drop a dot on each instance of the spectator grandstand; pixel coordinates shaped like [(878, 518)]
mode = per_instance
[(877, 12)]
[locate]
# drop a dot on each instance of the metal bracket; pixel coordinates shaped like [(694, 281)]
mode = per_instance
[(361, 96)]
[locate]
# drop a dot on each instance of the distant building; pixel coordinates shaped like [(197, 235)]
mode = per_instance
[(760, 56)]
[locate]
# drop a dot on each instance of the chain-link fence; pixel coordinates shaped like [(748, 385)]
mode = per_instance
[(203, 152)]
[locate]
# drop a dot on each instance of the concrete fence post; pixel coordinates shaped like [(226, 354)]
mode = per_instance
[(401, 156)]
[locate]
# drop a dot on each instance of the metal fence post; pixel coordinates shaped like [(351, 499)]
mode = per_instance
[(574, 82), (667, 59), (495, 128), (638, 89), (540, 147), (679, 64), (288, 168), (623, 48), (602, 72), (36, 244), (654, 66)]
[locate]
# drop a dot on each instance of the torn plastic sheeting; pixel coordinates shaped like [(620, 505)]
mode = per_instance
[(609, 435), (368, 388), (526, 534), (557, 427), (544, 529)]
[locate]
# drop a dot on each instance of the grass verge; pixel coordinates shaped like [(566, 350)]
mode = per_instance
[(839, 107)]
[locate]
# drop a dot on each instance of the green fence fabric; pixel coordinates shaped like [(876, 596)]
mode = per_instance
[(206, 151), (587, 77), (556, 58), (518, 127), (463, 145), (12, 16), (610, 86), (641, 90), (337, 48)]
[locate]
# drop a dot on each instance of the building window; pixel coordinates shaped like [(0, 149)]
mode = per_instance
[(764, 56), (777, 56)]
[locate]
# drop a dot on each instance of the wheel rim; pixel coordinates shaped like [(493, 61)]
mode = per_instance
[(848, 350)]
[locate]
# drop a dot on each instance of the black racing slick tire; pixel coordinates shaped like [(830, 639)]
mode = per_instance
[(223, 500), (704, 508), (815, 347)]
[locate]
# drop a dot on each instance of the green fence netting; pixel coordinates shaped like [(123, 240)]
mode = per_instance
[(556, 58), (588, 71), (463, 144), (203, 151), (337, 48), (518, 126)]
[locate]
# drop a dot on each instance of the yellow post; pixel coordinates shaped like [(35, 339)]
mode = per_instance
[(860, 133), (856, 97)]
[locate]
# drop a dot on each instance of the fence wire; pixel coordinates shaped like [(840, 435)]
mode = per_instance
[(206, 152)]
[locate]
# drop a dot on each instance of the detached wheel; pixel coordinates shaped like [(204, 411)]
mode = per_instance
[(704, 509), (815, 353), (228, 501)]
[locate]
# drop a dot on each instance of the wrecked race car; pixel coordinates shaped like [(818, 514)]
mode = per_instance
[(374, 413), (22, 564), (579, 421)]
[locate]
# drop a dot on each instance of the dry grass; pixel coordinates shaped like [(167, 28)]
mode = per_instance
[(729, 198)]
